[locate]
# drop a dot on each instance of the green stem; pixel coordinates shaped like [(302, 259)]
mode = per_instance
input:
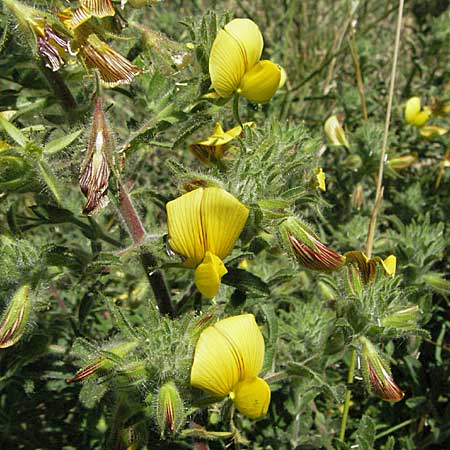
[(236, 110), (348, 393), (395, 428)]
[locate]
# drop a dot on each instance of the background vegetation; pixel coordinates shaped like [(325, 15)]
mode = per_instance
[(89, 288)]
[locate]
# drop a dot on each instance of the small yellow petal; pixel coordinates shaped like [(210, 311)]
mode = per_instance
[(390, 265), (252, 397), (428, 131), (214, 368), (185, 227), (223, 217), (246, 341), (283, 78), (260, 83), (208, 275), (226, 64), (250, 40), (236, 131), (320, 177)]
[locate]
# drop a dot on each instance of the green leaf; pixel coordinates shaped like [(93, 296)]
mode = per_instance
[(245, 281), (13, 132), (366, 433), (56, 145)]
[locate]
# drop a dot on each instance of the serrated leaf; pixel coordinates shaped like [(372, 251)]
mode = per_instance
[(56, 145)]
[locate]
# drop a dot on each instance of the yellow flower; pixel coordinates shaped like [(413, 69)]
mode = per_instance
[(228, 358), (368, 267), (203, 227), (212, 148), (320, 178), (414, 114), (334, 131), (235, 66)]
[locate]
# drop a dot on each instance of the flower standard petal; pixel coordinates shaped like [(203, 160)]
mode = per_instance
[(185, 227), (252, 397), (214, 368), (226, 64), (246, 341), (208, 275), (223, 217), (250, 40), (413, 113), (260, 83)]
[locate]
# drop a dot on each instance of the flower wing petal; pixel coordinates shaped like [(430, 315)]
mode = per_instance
[(252, 397), (246, 342), (185, 227), (260, 83), (214, 368), (223, 218)]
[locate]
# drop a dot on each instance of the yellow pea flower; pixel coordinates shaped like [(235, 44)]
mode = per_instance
[(414, 114), (368, 267), (227, 360), (213, 148), (334, 131), (235, 66), (203, 227)]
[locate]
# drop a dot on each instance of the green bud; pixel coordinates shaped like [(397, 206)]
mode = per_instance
[(334, 131), (406, 317), (102, 362), (437, 282), (353, 279), (170, 412), (353, 162), (377, 373), (302, 243), (14, 319)]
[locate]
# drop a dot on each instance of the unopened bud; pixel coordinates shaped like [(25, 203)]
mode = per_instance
[(358, 196), (403, 162), (377, 374), (437, 282), (334, 131), (95, 171), (432, 131), (403, 318), (14, 319), (102, 362), (309, 251), (170, 413), (353, 162), (353, 279)]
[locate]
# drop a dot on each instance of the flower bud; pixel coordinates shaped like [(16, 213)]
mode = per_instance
[(334, 131), (377, 374), (403, 162), (14, 319), (102, 362), (95, 170), (170, 413), (403, 318), (353, 279), (437, 282), (309, 251), (358, 196)]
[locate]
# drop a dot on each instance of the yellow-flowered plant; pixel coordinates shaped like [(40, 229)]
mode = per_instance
[(228, 358), (415, 114), (320, 179), (203, 227), (235, 66), (213, 148)]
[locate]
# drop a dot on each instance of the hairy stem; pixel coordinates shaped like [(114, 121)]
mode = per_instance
[(148, 260), (348, 394), (379, 191)]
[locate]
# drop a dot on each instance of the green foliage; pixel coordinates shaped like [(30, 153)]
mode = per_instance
[(96, 360)]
